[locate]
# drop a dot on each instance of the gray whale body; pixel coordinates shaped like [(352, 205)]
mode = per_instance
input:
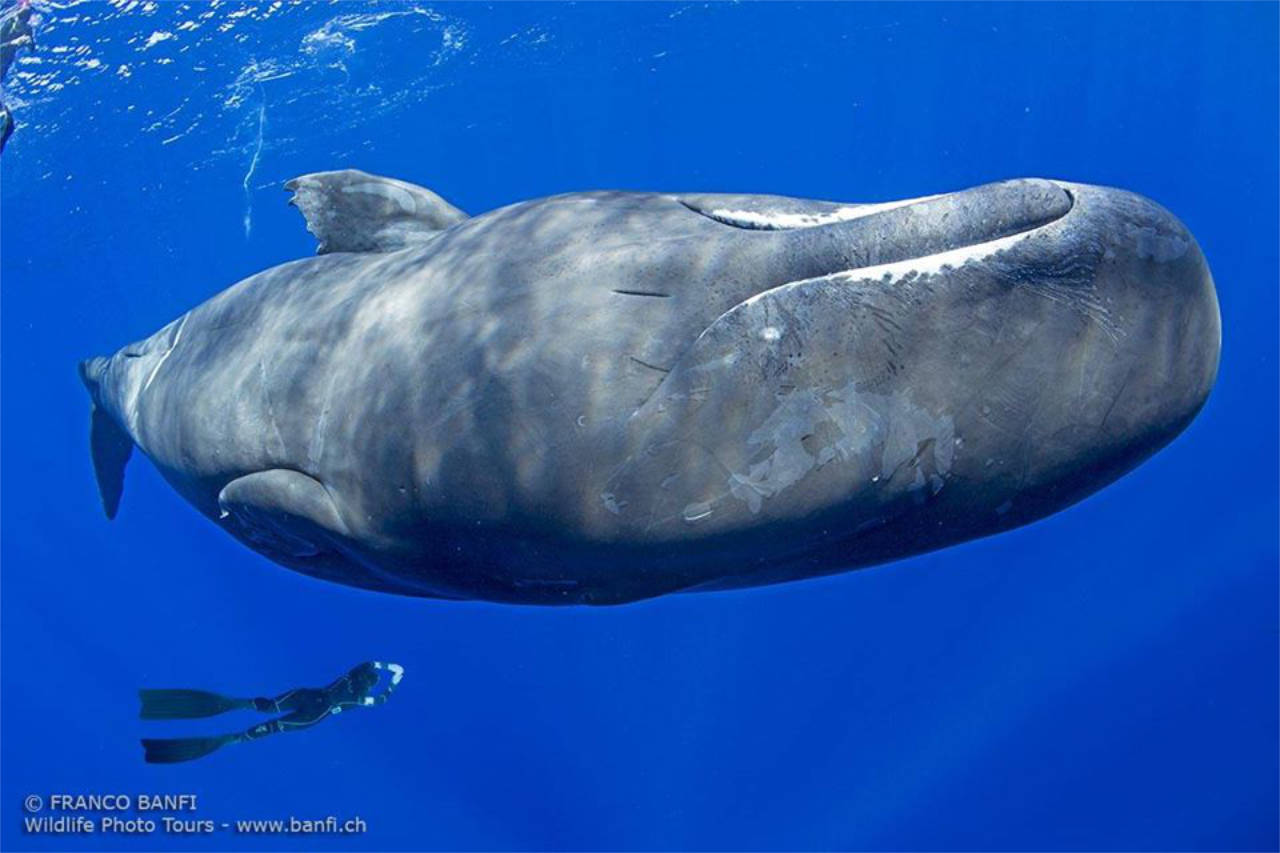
[(606, 396)]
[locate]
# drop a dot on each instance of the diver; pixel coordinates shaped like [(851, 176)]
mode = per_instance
[(301, 707), (15, 33)]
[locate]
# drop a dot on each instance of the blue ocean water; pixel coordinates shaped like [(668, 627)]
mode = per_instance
[(1103, 679)]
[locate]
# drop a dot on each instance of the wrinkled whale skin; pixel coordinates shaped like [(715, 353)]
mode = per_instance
[(606, 396)]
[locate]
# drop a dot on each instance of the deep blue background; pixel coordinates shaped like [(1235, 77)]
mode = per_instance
[(1106, 678)]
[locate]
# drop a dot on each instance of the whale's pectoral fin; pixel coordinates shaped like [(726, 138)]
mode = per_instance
[(282, 512), (353, 211)]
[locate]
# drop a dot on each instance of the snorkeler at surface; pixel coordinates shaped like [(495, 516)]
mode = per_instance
[(15, 33), (302, 707)]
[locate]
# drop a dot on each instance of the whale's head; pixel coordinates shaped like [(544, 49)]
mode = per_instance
[(924, 371)]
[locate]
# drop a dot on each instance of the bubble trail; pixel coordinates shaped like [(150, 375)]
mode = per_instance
[(253, 166)]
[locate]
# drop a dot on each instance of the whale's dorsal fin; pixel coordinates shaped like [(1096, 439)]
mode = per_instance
[(353, 211)]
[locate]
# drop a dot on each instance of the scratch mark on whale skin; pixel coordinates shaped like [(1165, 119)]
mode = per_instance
[(316, 449), (270, 407), (177, 335), (875, 433)]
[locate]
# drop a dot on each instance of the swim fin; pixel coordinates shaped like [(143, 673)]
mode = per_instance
[(174, 750), (187, 704)]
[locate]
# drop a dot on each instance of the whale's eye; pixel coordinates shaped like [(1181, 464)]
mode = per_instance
[(778, 213)]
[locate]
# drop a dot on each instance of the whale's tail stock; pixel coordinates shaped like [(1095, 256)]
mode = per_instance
[(109, 444)]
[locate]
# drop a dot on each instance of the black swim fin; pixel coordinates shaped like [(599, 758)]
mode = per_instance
[(187, 704), (174, 750)]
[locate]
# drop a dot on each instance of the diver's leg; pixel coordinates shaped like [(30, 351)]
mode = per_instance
[(187, 704), (289, 722), (171, 750), (298, 699), (305, 717)]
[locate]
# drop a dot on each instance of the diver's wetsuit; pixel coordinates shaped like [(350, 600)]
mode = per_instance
[(307, 706), (302, 707)]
